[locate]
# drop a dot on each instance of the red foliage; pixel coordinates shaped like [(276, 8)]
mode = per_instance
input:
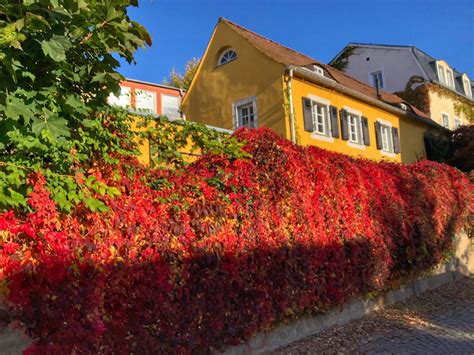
[(201, 259)]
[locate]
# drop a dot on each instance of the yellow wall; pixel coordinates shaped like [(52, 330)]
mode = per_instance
[(215, 88), (302, 88), (412, 142), (443, 104)]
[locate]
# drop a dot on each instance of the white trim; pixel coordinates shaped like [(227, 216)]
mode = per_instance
[(322, 137), (391, 151), (227, 50), (356, 145), (457, 122), (388, 154), (162, 106), (242, 102), (144, 93), (318, 99), (442, 119), (384, 122), (353, 111), (325, 103), (383, 77)]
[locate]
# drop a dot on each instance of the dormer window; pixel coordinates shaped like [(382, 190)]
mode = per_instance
[(467, 86), (227, 56), (445, 75), (317, 69)]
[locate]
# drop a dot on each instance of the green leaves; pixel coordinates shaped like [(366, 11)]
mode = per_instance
[(55, 125), (58, 64), (56, 47)]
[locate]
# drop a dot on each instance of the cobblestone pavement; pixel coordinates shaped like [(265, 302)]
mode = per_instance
[(440, 321)]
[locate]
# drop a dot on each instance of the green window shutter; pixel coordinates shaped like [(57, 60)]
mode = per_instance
[(396, 140), (365, 130), (378, 135), (344, 125), (307, 115), (334, 121)]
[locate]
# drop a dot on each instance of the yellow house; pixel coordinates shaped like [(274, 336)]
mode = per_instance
[(245, 79)]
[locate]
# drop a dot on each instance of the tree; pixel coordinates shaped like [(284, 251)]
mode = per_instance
[(57, 69), (183, 81)]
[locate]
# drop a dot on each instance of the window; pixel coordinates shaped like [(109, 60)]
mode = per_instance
[(386, 135), (123, 100), (170, 106), (377, 76), (226, 57), (320, 118), (145, 101), (245, 113), (457, 122), (354, 128), (445, 119), (467, 87), (449, 78), (317, 69), (246, 116), (441, 74)]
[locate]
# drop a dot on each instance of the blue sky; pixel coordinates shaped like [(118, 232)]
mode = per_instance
[(181, 29)]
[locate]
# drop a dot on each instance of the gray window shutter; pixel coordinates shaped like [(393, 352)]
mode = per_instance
[(344, 125), (365, 130), (378, 136), (307, 115), (334, 121), (396, 140)]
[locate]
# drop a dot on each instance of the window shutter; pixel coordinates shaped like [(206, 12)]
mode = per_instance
[(344, 125), (378, 135), (396, 140), (334, 121), (307, 115), (365, 130)]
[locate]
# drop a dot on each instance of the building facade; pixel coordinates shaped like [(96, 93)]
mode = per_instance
[(148, 98), (245, 79), (432, 85)]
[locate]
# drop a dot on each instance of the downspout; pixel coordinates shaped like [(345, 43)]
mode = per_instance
[(290, 98)]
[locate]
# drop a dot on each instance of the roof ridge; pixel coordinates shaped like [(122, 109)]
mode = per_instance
[(266, 38)]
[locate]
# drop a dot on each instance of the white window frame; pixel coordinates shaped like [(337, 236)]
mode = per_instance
[(125, 91), (457, 122), (162, 106), (372, 80), (466, 83), (389, 149), (442, 119), (450, 78), (326, 135), (221, 57), (359, 144), (152, 95), (240, 104)]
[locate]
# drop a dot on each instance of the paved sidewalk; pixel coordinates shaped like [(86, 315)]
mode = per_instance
[(440, 321)]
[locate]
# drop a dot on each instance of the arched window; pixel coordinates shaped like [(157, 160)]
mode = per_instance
[(227, 56)]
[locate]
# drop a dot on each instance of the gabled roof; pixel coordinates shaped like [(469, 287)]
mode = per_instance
[(289, 57), (426, 62)]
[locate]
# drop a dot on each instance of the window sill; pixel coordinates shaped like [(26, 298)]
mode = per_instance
[(388, 154), (321, 137), (356, 145)]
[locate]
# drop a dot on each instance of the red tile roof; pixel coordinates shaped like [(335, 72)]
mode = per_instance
[(290, 57)]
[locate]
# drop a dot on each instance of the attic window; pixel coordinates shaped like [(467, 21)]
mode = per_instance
[(227, 56), (316, 69), (445, 75), (467, 86)]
